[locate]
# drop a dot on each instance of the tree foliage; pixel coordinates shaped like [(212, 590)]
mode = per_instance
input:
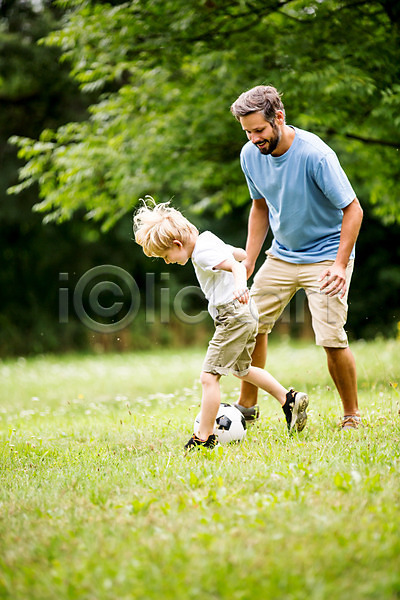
[(160, 124), (166, 72), (34, 93)]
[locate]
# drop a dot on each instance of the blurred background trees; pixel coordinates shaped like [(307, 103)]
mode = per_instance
[(124, 100)]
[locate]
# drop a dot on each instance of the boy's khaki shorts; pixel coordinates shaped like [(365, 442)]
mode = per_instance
[(277, 281), (232, 344)]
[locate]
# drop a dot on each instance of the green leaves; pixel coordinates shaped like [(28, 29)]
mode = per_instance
[(165, 74)]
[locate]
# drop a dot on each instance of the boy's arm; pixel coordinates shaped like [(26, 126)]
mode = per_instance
[(239, 254), (238, 270)]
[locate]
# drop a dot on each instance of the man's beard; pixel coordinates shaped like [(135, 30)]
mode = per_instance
[(272, 141)]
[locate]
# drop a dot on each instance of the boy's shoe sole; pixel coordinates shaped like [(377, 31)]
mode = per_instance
[(250, 414), (299, 415)]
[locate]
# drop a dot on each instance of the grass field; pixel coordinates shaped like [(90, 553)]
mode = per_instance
[(97, 500)]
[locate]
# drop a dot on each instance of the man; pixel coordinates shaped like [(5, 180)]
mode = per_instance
[(299, 189)]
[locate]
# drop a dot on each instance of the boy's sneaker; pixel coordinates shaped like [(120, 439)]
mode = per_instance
[(295, 410), (195, 442), (350, 422), (250, 414)]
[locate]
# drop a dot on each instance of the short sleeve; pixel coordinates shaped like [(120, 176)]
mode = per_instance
[(211, 251), (333, 181), (255, 194)]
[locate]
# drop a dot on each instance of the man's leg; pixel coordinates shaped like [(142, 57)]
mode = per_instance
[(249, 392), (329, 316), (342, 367), (273, 287)]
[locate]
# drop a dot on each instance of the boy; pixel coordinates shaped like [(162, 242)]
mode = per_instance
[(164, 232)]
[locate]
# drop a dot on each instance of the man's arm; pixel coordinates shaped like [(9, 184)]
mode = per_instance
[(257, 232), (336, 276)]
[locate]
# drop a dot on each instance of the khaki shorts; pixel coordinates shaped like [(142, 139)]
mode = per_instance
[(276, 283), (232, 344)]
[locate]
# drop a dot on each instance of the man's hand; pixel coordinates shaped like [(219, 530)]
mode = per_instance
[(335, 281), (242, 295), (336, 276)]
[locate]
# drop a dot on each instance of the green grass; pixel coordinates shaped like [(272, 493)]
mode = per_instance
[(97, 500)]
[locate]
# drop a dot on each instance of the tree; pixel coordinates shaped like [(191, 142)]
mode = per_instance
[(34, 93), (168, 71), (160, 77)]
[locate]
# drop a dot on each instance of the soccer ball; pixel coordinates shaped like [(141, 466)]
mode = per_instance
[(230, 424)]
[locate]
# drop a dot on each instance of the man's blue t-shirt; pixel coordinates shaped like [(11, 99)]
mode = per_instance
[(305, 190)]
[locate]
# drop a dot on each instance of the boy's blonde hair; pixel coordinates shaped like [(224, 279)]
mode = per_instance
[(156, 226)]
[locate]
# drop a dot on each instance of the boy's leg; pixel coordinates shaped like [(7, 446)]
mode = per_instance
[(294, 404), (259, 378), (210, 403)]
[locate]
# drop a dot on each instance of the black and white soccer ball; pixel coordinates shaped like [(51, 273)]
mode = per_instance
[(230, 424)]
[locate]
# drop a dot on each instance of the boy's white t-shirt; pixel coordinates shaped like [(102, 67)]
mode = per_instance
[(218, 286)]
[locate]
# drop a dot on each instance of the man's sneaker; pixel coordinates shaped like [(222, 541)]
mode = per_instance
[(195, 442), (350, 422), (250, 414), (295, 410)]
